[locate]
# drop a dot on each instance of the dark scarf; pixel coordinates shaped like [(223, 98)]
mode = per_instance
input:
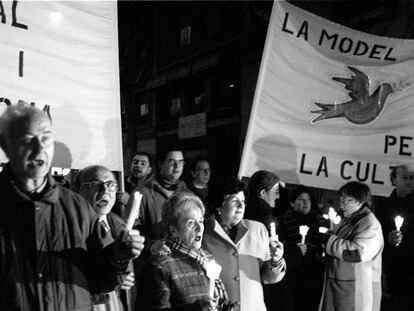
[(168, 184), (259, 210)]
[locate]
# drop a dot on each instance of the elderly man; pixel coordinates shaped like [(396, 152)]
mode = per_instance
[(157, 191), (98, 185), (50, 258)]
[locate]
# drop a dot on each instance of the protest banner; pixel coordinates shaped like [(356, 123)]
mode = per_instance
[(332, 104), (65, 55)]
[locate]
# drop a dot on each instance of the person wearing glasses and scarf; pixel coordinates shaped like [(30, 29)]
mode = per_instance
[(354, 253), (178, 280), (98, 185)]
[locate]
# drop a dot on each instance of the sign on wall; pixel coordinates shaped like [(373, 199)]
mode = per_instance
[(332, 104), (65, 55)]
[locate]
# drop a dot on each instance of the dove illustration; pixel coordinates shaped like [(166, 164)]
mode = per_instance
[(362, 108)]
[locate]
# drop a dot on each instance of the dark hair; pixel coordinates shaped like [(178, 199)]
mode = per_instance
[(297, 192), (163, 152), (262, 180), (358, 190), (193, 166), (393, 174), (145, 154), (232, 185)]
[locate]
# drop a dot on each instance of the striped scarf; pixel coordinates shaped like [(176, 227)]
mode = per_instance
[(201, 257)]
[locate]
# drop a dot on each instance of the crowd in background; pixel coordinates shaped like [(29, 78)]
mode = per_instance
[(71, 249)]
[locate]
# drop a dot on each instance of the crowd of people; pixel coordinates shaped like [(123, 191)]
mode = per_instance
[(194, 246)]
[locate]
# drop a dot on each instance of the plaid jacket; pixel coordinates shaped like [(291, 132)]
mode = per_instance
[(174, 282)]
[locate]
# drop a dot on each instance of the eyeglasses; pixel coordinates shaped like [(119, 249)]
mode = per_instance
[(97, 185), (204, 170), (345, 200), (175, 163)]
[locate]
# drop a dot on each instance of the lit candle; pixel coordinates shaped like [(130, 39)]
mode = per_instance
[(337, 220), (303, 231), (273, 234), (323, 230), (213, 270), (134, 210), (398, 222), (331, 215)]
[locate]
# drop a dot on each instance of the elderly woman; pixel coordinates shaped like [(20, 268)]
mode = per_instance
[(302, 286), (353, 274), (243, 249), (178, 280)]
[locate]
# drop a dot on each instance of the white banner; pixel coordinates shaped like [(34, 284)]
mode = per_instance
[(65, 54), (331, 105)]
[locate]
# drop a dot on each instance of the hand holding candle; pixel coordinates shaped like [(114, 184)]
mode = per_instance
[(134, 210), (303, 231), (213, 273)]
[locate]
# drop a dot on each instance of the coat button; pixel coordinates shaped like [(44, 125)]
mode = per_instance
[(237, 278), (235, 254)]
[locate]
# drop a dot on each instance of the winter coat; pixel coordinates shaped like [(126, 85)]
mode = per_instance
[(353, 273), (245, 262), (49, 254)]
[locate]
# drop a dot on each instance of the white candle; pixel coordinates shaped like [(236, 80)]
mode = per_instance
[(213, 273), (134, 210), (398, 222), (323, 230), (331, 215), (303, 231), (273, 234)]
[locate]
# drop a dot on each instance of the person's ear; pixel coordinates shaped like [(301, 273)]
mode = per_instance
[(262, 193), (149, 170)]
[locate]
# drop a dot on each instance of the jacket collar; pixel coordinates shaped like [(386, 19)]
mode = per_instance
[(49, 194), (218, 229)]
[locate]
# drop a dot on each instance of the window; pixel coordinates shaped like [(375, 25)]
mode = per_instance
[(185, 36), (176, 104), (143, 110)]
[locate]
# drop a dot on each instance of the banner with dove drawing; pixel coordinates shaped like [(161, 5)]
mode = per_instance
[(332, 104)]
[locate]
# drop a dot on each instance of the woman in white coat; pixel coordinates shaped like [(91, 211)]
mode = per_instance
[(243, 249)]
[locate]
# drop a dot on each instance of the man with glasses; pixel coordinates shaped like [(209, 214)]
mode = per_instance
[(98, 185), (200, 173), (50, 257), (157, 191), (154, 193)]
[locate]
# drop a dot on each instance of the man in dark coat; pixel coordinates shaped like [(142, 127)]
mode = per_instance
[(48, 254)]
